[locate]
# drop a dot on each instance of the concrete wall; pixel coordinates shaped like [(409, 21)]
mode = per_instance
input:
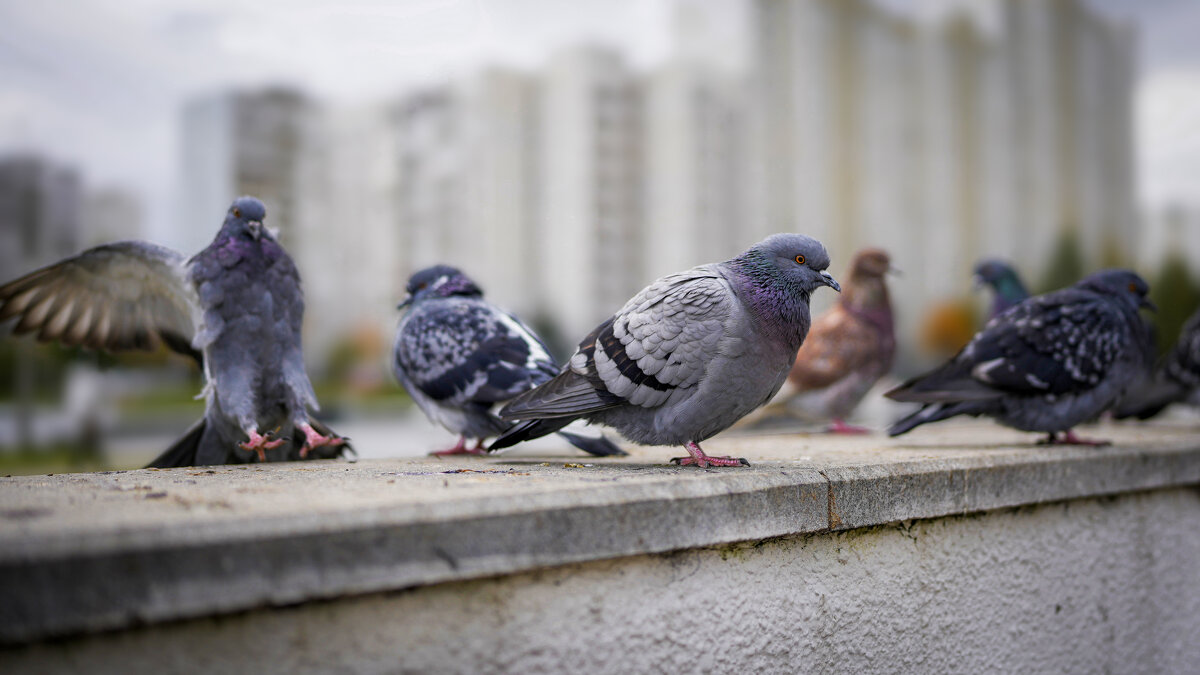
[(1106, 584)]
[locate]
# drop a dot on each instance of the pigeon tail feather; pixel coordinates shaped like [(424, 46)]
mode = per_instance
[(599, 446), (944, 385), (935, 412), (527, 431), (183, 451), (569, 394)]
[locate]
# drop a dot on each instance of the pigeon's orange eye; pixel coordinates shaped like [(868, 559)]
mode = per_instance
[(237, 213), (799, 260), (1132, 287)]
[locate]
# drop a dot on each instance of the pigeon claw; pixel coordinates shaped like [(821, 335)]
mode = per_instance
[(259, 444), (1069, 438), (698, 458), (461, 449), (839, 426), (313, 439)]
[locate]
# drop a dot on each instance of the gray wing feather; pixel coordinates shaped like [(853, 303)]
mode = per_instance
[(663, 339), (125, 295)]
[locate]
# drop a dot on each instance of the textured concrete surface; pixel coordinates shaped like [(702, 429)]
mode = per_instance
[(1089, 586), (87, 552)]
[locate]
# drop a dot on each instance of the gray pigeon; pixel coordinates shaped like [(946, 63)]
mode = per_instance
[(235, 307), (1047, 364), (459, 356), (1177, 378), (689, 355)]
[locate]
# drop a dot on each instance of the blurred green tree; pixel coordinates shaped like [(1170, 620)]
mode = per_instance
[(1066, 264), (1112, 254), (1177, 296)]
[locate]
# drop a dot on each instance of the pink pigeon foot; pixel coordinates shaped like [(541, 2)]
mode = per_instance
[(461, 449), (698, 458), (840, 427), (1069, 438), (313, 439), (259, 443)]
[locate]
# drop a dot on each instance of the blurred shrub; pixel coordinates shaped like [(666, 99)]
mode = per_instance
[(948, 327), (1066, 265), (1177, 296)]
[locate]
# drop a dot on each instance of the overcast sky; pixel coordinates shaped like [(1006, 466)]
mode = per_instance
[(99, 83)]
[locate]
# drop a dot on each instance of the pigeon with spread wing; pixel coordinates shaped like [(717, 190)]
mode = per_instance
[(235, 307)]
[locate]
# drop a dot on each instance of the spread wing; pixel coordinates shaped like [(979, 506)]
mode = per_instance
[(838, 344), (1061, 343), (126, 295), (661, 341), (469, 352)]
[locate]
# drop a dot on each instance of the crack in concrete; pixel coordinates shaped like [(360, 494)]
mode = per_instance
[(831, 516)]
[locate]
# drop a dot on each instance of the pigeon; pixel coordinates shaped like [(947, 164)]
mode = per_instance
[(459, 356), (234, 307), (1007, 288), (848, 348), (1046, 364), (1176, 379), (689, 355)]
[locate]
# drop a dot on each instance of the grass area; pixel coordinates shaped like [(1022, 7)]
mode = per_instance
[(379, 402), (63, 458)]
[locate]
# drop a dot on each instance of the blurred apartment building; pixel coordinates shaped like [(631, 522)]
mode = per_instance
[(946, 138), (466, 157), (566, 192), (275, 144), (593, 223), (942, 138), (236, 143), (40, 213), (111, 214), (986, 128)]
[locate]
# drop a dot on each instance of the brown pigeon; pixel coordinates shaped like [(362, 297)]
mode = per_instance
[(848, 348)]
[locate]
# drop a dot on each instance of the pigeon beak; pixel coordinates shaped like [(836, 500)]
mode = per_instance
[(255, 229), (978, 281), (406, 303), (829, 281), (1145, 302)]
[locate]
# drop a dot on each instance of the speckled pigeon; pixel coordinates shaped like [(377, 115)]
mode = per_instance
[(689, 355), (1006, 285), (235, 307), (847, 350), (459, 356), (1048, 364), (1177, 378)]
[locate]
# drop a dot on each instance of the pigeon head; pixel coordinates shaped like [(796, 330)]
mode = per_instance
[(992, 270), (870, 263), (439, 281), (1004, 282), (245, 219), (776, 278), (1121, 284), (789, 261), (866, 290)]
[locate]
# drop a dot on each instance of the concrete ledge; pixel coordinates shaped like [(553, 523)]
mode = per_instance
[(90, 552)]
